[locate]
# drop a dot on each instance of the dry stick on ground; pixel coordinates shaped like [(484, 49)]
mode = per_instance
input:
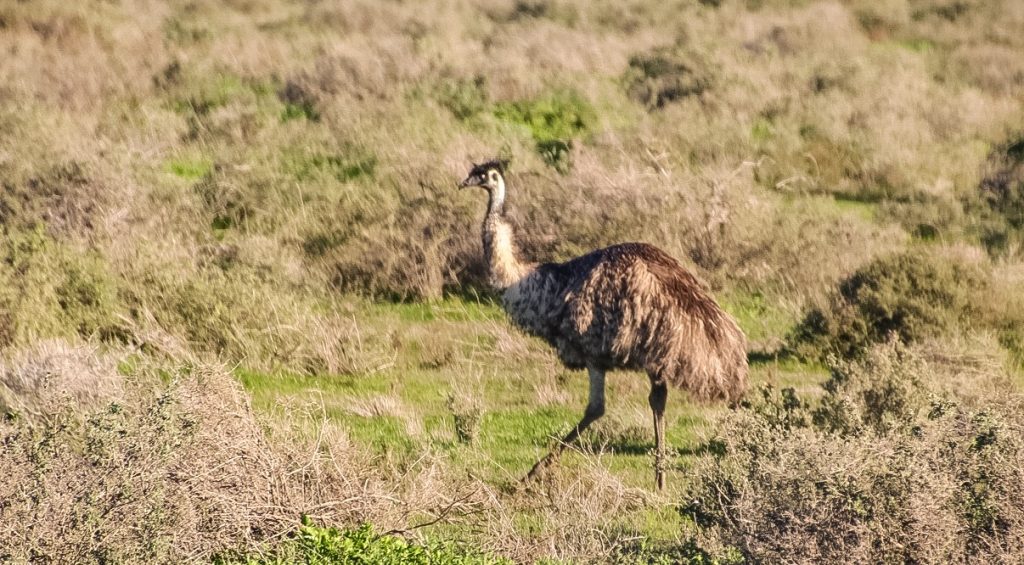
[(628, 306), (441, 515)]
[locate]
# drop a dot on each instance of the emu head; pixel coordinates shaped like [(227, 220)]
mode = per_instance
[(489, 175)]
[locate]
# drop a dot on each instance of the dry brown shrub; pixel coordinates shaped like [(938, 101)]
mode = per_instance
[(973, 367), (36, 382), (67, 199), (171, 476), (171, 464), (883, 469), (993, 68)]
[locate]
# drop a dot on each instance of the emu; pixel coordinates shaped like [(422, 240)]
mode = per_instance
[(628, 306)]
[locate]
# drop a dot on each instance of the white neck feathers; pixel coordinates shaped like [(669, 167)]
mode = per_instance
[(496, 203), (503, 264)]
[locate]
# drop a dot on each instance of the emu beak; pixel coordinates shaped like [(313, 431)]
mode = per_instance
[(469, 181)]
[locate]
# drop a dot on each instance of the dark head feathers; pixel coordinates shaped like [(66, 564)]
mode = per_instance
[(482, 168)]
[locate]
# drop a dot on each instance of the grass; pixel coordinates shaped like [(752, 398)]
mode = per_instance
[(866, 211), (341, 167), (758, 316), (402, 410), (190, 168)]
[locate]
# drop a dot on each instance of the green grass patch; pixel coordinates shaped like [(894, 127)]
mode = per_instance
[(864, 210), (762, 130), (189, 168), (348, 167), (916, 44), (560, 115), (297, 111), (450, 309), (759, 316), (210, 93), (384, 435), (282, 384)]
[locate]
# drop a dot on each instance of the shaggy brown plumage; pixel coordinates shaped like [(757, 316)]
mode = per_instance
[(628, 306)]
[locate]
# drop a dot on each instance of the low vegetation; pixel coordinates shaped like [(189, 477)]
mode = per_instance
[(912, 295), (881, 467), (238, 285), (315, 545)]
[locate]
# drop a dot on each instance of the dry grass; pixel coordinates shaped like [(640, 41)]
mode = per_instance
[(37, 383)]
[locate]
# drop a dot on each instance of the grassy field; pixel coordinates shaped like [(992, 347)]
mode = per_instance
[(456, 358), (238, 285), (457, 361)]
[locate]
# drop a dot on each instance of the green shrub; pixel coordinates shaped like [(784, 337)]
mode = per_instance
[(553, 121), (1002, 197), (318, 545), (462, 97), (48, 289), (912, 295)]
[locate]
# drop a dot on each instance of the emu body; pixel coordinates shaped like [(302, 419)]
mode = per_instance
[(627, 306)]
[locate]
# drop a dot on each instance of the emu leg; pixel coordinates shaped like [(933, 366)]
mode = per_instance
[(595, 409), (659, 393)]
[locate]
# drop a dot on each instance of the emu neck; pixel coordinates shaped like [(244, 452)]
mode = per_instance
[(503, 264)]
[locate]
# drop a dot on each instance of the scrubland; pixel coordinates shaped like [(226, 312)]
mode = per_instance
[(242, 302)]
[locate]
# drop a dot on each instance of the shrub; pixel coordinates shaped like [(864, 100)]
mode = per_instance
[(154, 475), (319, 545), (170, 464), (38, 382), (911, 294), (880, 393), (664, 76), (1002, 195), (467, 412), (553, 121), (863, 478), (64, 198), (48, 289), (463, 98)]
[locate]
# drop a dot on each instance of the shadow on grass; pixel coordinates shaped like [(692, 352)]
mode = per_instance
[(630, 446), (782, 355)]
